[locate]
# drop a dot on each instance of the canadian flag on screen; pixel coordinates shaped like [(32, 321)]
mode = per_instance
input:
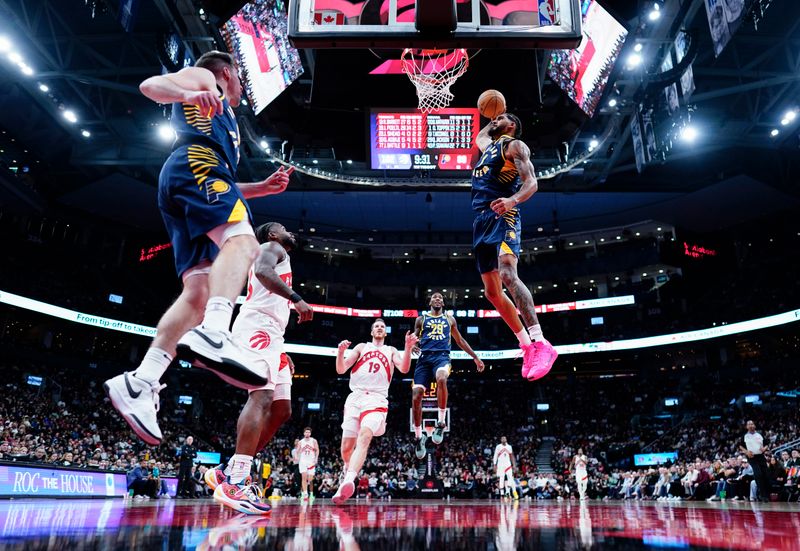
[(328, 17)]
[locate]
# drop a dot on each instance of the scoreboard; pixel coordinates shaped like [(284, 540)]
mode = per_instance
[(406, 139)]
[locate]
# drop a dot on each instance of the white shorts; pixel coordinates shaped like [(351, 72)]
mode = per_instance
[(262, 338), (502, 472), (307, 467), (364, 409), (581, 475)]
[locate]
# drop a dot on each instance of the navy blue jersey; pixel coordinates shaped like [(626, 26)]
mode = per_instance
[(494, 176), (435, 334), (220, 133)]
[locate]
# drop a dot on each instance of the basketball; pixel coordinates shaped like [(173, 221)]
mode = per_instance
[(491, 103)]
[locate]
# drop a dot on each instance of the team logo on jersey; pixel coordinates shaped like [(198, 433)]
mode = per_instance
[(511, 235), (435, 330), (215, 188), (260, 340), (374, 360)]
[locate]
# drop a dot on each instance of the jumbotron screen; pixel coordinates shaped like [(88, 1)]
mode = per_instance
[(257, 38), (406, 139), (583, 72)]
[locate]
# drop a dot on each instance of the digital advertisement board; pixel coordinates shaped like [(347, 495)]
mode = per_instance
[(645, 459), (18, 481), (406, 139)]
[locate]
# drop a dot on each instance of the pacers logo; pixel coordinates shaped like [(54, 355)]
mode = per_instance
[(436, 330), (260, 340), (215, 188)]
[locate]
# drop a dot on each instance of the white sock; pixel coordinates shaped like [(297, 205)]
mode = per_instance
[(442, 415), (228, 467), (219, 311), (535, 331), (240, 467), (418, 431), (350, 476), (523, 337), (153, 366)]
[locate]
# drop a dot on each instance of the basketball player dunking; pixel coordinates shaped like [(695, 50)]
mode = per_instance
[(259, 328), (501, 181), (307, 453), (579, 461), (504, 465), (366, 408), (206, 214), (434, 329)]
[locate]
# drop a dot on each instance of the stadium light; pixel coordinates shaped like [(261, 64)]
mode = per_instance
[(71, 116), (790, 115), (634, 60), (637, 47), (14, 57), (593, 144), (263, 144), (655, 13), (315, 161), (349, 161), (44, 88), (86, 134), (774, 132), (26, 70), (689, 134), (612, 102), (5, 44), (165, 132)]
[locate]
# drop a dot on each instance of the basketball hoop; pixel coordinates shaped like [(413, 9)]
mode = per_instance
[(433, 72)]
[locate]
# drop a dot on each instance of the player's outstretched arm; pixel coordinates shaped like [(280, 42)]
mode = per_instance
[(403, 362), (418, 333), (275, 183), (483, 140), (521, 155), (193, 85), (344, 363), (264, 268), (463, 344)]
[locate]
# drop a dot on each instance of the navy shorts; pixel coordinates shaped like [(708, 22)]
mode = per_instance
[(428, 365), (197, 193), (493, 235)]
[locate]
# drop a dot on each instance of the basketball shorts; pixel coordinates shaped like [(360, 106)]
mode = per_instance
[(503, 471), (307, 467), (262, 339), (364, 409), (493, 236), (428, 365), (196, 193)]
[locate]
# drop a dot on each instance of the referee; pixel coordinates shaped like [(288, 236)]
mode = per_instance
[(755, 449), (187, 454)]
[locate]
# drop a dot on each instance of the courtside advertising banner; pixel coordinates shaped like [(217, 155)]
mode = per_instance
[(24, 481)]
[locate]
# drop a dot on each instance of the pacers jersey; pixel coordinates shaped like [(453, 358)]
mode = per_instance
[(435, 335), (494, 176), (220, 132), (264, 301), (373, 370)]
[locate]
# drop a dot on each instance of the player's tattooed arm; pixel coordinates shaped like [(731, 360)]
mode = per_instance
[(483, 140), (463, 344), (521, 155), (270, 254), (344, 363)]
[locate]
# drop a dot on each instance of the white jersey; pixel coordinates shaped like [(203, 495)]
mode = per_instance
[(502, 456), (580, 463), (260, 299), (307, 449), (373, 370)]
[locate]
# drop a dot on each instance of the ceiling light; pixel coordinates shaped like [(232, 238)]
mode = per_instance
[(349, 161), (637, 47), (315, 161), (538, 286), (351, 252), (166, 133), (774, 132), (536, 248), (658, 228), (86, 133), (5, 44), (602, 239), (661, 271), (555, 284), (586, 242), (634, 60), (644, 274), (311, 246), (27, 71), (689, 134), (571, 244), (549, 246), (593, 144), (263, 144), (405, 254), (455, 254), (44, 88), (612, 102), (540, 228), (655, 13), (444, 290), (575, 282), (638, 234), (15, 57), (790, 115), (70, 116), (326, 248), (619, 237), (616, 278)]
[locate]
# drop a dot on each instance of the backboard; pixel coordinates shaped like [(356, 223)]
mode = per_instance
[(550, 24)]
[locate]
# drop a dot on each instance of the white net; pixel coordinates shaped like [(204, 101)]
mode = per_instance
[(433, 72)]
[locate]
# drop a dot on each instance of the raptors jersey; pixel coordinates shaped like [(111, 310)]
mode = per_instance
[(307, 452), (373, 370), (502, 456), (263, 301)]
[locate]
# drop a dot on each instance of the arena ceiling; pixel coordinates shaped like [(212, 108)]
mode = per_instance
[(89, 63)]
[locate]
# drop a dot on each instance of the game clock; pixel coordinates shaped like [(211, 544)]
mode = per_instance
[(407, 139)]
